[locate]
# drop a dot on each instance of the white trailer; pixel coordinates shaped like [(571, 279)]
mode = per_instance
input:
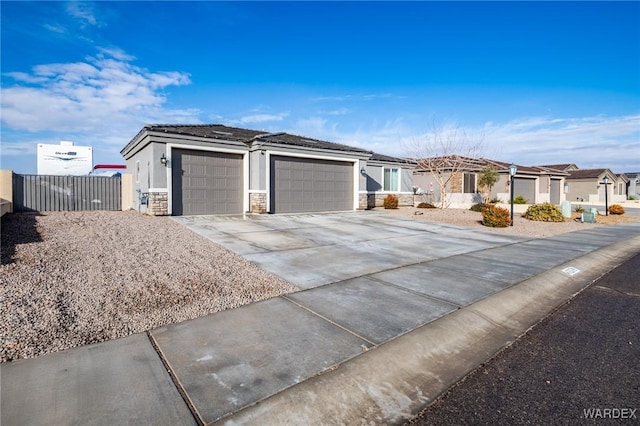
[(64, 159)]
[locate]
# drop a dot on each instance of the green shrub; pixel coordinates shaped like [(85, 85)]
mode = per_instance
[(632, 198), (426, 206), (545, 212), (519, 199), (495, 217), (478, 207), (616, 209), (390, 202), (495, 200), (579, 209)]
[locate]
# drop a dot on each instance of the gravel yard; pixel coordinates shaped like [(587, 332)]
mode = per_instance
[(72, 278), (521, 226)]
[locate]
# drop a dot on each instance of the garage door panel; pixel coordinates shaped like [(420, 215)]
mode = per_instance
[(307, 185), (526, 188), (206, 182)]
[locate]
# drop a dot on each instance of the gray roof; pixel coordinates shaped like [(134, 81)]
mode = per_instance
[(386, 158), (248, 136)]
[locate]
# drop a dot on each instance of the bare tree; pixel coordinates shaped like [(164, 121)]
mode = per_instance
[(444, 153)]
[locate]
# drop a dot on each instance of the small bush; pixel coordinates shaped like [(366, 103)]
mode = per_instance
[(632, 198), (616, 209), (519, 199), (495, 200), (426, 206), (545, 212), (495, 217), (478, 207), (390, 202), (579, 209)]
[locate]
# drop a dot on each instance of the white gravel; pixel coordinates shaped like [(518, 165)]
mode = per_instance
[(73, 278)]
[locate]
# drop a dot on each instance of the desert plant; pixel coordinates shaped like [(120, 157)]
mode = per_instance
[(616, 209), (487, 177), (495, 217), (478, 207), (424, 205), (579, 209), (545, 212), (495, 200), (390, 202), (632, 198), (519, 199)]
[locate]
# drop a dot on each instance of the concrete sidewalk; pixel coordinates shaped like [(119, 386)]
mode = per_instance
[(385, 324)]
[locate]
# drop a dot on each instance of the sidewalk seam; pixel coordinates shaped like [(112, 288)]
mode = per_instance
[(176, 382), (373, 345)]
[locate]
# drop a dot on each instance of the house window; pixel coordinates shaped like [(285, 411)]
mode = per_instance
[(138, 171), (620, 189), (469, 183), (391, 179)]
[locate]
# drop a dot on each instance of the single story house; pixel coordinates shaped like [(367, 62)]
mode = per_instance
[(587, 185), (216, 169), (633, 186), (535, 184)]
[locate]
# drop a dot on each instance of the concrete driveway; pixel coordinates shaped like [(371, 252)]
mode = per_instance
[(312, 250)]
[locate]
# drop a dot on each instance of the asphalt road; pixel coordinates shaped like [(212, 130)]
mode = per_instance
[(581, 361)]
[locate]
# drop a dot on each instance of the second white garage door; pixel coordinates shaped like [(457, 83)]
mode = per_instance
[(310, 185)]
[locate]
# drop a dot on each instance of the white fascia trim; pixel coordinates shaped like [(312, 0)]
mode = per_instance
[(355, 162), (245, 170)]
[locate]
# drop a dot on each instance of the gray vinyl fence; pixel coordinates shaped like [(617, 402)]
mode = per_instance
[(66, 193)]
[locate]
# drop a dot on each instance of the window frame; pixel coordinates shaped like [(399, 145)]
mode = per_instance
[(398, 173)]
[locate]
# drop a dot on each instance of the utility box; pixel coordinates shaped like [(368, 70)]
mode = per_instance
[(566, 208)]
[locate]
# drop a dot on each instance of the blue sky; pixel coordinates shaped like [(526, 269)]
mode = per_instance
[(540, 83)]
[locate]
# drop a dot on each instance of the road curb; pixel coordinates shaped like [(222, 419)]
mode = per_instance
[(392, 383)]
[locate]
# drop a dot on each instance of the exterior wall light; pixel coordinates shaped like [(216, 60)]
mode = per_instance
[(163, 160), (513, 169), (363, 171)]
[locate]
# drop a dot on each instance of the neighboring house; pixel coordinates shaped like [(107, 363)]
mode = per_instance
[(216, 169), (535, 184), (633, 186), (587, 185)]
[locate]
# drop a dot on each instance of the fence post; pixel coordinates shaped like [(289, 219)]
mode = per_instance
[(127, 191), (6, 191)]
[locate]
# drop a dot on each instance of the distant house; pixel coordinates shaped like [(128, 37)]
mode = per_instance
[(217, 169), (633, 186), (587, 185), (535, 184)]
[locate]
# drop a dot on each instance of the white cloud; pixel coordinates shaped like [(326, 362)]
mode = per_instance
[(83, 96), (83, 11), (102, 101), (262, 118), (598, 141), (345, 98)]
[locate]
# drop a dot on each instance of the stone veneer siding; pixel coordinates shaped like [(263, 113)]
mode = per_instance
[(258, 202), (158, 203), (371, 200)]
